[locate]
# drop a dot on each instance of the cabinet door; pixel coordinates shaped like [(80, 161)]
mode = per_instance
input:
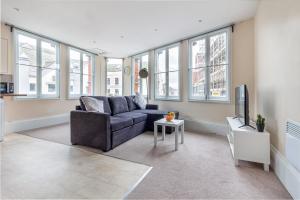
[(4, 56)]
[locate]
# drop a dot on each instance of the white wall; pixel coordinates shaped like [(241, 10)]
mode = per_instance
[(277, 68), (277, 71)]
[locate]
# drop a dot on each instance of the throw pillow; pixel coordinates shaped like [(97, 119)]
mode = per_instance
[(92, 105), (140, 101)]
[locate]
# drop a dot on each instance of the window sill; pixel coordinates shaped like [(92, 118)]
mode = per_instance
[(210, 101), (168, 99), (35, 99)]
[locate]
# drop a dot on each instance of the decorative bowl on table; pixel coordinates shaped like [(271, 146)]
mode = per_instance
[(170, 116)]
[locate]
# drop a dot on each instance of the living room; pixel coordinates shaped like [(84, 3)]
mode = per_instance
[(141, 67)]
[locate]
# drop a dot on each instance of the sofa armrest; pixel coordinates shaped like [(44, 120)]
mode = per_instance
[(91, 129), (152, 107)]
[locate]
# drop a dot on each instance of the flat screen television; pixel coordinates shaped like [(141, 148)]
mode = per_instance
[(242, 105)]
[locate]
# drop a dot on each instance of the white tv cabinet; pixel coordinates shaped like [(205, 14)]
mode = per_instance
[(248, 144)]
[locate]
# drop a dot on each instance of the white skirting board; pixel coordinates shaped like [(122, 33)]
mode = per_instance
[(205, 127), (23, 125), (287, 174), (29, 124)]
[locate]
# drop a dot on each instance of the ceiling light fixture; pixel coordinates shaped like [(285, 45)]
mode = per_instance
[(155, 29), (122, 36), (199, 20)]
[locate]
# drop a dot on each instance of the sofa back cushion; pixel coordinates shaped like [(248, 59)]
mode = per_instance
[(106, 105), (118, 105), (130, 101)]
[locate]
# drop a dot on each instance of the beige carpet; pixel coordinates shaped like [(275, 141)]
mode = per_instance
[(201, 168)]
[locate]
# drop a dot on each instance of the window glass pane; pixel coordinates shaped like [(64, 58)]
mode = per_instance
[(218, 54), (173, 84), (27, 82), (115, 72), (144, 87), (49, 80), (145, 61), (27, 47), (74, 84), (198, 53), (74, 61), (218, 81), (87, 85), (87, 64), (161, 85), (49, 53), (174, 59), (218, 68), (49, 65), (161, 63), (198, 82)]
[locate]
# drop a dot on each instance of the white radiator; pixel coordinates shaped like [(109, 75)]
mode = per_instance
[(293, 143)]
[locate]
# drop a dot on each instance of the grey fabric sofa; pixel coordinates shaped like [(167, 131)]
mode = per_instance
[(122, 120)]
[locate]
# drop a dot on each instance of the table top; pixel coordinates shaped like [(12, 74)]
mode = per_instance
[(163, 121)]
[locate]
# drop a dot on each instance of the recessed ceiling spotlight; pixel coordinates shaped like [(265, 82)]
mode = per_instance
[(94, 42), (122, 36), (17, 9), (155, 29), (199, 20)]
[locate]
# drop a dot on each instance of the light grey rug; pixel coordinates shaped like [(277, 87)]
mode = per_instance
[(201, 168)]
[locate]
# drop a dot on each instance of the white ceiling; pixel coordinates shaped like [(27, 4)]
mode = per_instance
[(80, 22)]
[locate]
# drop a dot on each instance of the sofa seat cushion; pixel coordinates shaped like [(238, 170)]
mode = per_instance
[(117, 123), (118, 105), (135, 116)]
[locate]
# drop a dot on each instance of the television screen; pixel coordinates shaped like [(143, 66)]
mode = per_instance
[(242, 104)]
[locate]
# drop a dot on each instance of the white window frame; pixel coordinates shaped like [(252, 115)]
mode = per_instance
[(71, 96), (39, 67), (207, 97), (106, 60), (139, 56), (167, 97)]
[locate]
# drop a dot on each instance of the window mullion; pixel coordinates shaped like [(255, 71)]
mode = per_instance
[(81, 73), (167, 72), (207, 78), (140, 80), (39, 68)]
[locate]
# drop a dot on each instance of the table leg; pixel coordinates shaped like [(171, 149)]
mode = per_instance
[(176, 138), (155, 135), (182, 134), (266, 167), (236, 162), (163, 132)]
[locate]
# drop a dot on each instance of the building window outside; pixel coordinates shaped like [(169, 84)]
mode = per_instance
[(117, 81), (81, 73), (114, 71), (167, 73), (108, 81), (37, 62), (209, 67)]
